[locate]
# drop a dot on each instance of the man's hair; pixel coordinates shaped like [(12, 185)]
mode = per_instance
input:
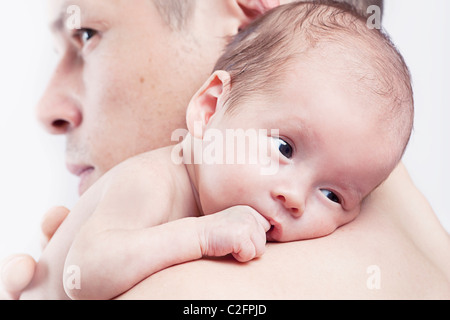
[(176, 13), (259, 58)]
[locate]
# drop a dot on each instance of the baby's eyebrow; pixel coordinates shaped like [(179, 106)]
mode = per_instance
[(305, 132)]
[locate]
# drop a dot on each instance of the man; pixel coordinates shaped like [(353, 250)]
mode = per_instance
[(113, 95)]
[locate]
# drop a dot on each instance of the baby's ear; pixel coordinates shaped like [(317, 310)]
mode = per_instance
[(207, 102)]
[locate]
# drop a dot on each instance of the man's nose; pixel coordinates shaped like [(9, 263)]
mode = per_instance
[(291, 200), (59, 110)]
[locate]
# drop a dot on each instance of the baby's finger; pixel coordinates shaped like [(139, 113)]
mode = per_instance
[(245, 252), (259, 241), (261, 220)]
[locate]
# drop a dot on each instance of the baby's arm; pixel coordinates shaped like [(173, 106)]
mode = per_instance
[(113, 261), (47, 282), (122, 241), (129, 237)]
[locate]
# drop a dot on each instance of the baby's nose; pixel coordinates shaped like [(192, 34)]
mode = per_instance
[(292, 204)]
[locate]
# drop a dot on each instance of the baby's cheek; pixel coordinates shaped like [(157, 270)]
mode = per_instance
[(320, 224), (349, 216), (325, 228), (333, 224), (219, 187)]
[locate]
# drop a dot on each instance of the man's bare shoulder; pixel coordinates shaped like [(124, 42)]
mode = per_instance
[(396, 249), (345, 265)]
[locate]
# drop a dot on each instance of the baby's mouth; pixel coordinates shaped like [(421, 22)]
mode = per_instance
[(274, 229), (273, 233)]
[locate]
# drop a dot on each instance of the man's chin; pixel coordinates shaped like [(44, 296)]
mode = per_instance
[(87, 179)]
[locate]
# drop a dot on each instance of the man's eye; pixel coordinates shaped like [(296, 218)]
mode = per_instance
[(331, 195), (284, 148), (84, 35)]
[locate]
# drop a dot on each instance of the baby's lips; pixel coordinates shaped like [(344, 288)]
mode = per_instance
[(275, 232)]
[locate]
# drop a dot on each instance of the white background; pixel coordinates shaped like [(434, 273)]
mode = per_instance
[(32, 172)]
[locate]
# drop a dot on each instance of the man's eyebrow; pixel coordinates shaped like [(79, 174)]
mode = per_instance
[(58, 24)]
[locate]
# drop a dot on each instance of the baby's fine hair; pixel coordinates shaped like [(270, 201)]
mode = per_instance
[(259, 58)]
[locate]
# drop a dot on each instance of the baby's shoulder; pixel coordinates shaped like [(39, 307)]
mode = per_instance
[(148, 182), (148, 172), (149, 165)]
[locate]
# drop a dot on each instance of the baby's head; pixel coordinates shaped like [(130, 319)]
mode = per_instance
[(340, 96)]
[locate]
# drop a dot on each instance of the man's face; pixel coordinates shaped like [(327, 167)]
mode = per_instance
[(122, 82)]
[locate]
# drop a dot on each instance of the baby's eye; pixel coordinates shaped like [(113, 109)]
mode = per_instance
[(331, 196), (284, 148)]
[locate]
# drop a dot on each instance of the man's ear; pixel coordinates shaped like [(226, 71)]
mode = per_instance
[(252, 9), (208, 100)]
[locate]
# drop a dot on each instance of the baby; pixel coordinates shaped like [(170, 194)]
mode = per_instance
[(338, 98)]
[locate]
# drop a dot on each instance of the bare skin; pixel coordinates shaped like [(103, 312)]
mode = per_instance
[(397, 230), (334, 267)]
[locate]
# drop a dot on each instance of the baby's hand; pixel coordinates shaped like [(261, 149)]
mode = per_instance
[(239, 230)]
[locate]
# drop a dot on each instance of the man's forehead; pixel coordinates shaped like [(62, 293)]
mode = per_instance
[(62, 5), (59, 11)]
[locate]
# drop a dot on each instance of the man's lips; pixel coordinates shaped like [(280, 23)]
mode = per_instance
[(83, 172), (78, 170)]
